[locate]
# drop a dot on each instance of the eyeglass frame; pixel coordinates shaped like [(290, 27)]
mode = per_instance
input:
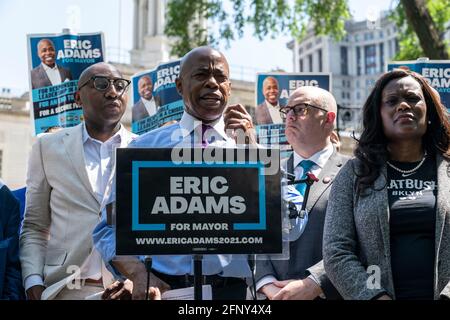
[(307, 105), (109, 81)]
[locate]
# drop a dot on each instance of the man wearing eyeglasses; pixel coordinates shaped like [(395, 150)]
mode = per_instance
[(310, 120), (205, 86), (69, 182)]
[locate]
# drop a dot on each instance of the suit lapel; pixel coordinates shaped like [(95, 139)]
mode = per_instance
[(44, 76), (73, 143), (330, 170)]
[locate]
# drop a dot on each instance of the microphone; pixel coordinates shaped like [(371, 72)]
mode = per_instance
[(293, 211)]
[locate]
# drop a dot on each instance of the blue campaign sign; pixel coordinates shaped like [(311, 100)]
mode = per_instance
[(437, 73), (55, 63), (156, 101), (272, 92), (230, 206)]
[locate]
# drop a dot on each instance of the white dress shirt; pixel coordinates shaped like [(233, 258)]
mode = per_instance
[(150, 106), (99, 162), (320, 158), (274, 112), (215, 136), (53, 74)]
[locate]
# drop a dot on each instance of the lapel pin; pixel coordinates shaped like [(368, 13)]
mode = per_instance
[(326, 180)]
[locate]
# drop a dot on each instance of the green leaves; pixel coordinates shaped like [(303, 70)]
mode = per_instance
[(269, 18)]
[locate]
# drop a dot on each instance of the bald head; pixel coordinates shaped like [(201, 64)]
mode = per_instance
[(317, 96), (145, 87), (204, 83), (310, 125), (98, 69), (46, 52), (271, 90), (192, 58)]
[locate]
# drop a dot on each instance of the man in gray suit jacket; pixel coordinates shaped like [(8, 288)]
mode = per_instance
[(48, 73), (310, 120)]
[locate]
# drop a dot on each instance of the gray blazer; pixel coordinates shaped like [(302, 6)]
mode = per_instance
[(306, 251), (357, 236), (39, 78)]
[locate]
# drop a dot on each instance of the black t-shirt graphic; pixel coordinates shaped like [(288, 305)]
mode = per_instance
[(412, 204)]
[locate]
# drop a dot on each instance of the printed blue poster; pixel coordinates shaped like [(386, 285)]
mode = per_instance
[(436, 72), (156, 101), (55, 63), (272, 92)]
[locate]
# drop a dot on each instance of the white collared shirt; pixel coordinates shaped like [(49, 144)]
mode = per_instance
[(320, 158), (150, 106), (274, 112), (216, 136), (53, 74)]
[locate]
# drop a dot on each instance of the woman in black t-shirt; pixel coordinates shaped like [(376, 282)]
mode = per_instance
[(387, 229)]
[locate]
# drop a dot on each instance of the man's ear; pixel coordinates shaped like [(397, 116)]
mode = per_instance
[(78, 98), (179, 86), (331, 116)]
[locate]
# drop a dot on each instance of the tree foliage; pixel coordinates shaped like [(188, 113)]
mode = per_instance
[(269, 18), (410, 47)]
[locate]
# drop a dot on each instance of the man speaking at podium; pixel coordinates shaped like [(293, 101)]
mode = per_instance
[(310, 120), (205, 87)]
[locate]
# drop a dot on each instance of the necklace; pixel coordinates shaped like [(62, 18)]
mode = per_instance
[(413, 169)]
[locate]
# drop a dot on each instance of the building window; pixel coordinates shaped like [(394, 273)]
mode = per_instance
[(319, 53), (381, 34), (358, 95), (381, 57), (1, 162), (301, 65), (368, 36), (370, 57), (308, 45), (310, 62), (390, 49), (319, 40), (358, 61), (300, 51), (343, 95), (344, 61)]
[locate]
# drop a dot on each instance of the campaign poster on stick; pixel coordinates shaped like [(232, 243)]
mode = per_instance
[(156, 101), (55, 64), (436, 72), (272, 92), (198, 206)]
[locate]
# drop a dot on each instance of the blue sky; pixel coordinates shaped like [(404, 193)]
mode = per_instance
[(21, 17)]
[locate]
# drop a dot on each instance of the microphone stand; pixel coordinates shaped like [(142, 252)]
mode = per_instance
[(310, 179)]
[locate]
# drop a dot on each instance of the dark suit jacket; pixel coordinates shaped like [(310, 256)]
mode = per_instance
[(263, 114), (39, 78), (138, 111), (306, 251), (10, 274)]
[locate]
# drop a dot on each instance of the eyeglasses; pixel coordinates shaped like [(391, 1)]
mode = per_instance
[(300, 109), (102, 83)]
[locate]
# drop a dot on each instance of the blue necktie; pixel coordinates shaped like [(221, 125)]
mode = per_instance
[(306, 165)]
